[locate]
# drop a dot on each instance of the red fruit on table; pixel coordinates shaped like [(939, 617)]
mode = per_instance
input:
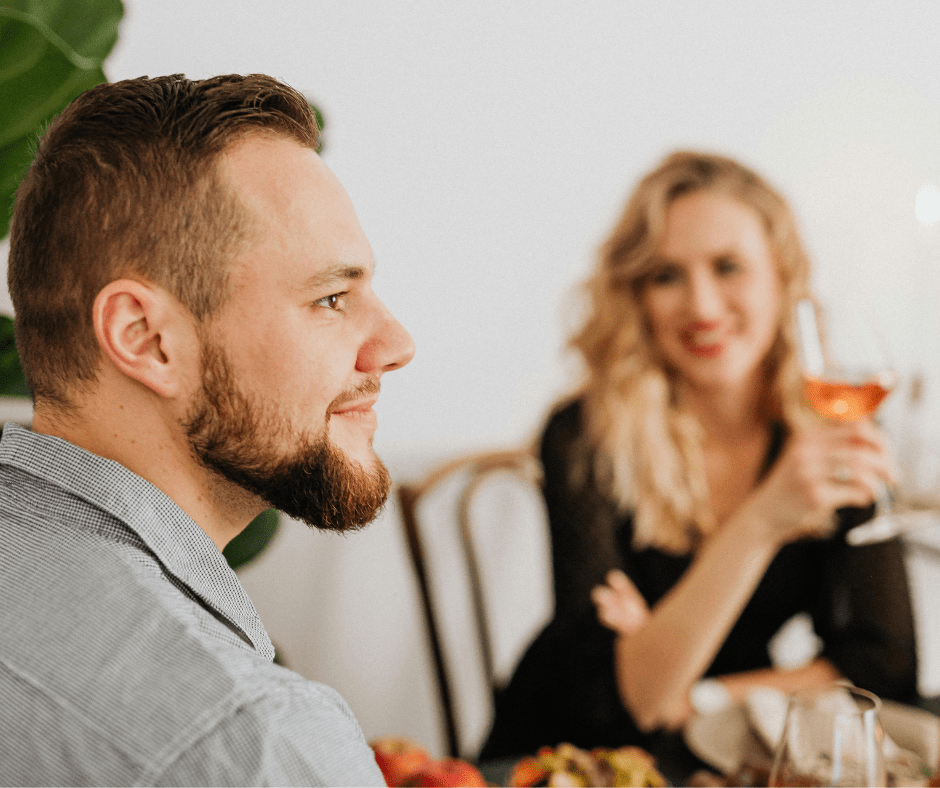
[(448, 773), (398, 758), (527, 772)]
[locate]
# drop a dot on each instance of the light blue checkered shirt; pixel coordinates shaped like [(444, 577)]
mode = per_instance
[(130, 654)]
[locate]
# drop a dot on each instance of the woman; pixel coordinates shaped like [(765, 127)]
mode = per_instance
[(690, 495)]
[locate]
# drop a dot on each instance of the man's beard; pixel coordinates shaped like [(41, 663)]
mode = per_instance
[(314, 481)]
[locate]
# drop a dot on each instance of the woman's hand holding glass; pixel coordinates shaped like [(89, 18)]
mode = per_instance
[(847, 372), (823, 468)]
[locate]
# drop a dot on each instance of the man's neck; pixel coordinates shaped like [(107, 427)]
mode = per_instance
[(148, 440)]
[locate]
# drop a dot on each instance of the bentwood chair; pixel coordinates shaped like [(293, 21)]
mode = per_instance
[(478, 538)]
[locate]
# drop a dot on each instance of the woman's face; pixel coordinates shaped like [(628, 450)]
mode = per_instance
[(713, 298)]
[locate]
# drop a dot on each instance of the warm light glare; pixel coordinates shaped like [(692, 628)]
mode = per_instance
[(927, 204)]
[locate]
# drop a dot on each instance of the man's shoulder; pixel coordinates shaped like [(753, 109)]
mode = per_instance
[(290, 732), (90, 638), (227, 719), (105, 682)]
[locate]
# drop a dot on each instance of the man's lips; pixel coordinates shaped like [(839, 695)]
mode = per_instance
[(355, 408)]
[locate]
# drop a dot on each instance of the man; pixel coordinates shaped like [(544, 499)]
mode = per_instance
[(195, 319)]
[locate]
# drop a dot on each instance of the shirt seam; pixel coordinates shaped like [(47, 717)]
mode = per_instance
[(201, 727), (150, 768), (239, 703)]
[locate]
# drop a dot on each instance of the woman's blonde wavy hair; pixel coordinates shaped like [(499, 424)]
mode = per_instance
[(646, 449)]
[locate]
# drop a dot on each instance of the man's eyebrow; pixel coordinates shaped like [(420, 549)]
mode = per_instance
[(333, 276)]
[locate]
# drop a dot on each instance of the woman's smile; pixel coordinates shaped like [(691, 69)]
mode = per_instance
[(705, 340)]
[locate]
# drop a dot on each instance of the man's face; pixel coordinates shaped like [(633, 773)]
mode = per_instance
[(292, 361)]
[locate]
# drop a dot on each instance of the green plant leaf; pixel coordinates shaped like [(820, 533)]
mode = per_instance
[(252, 540), (12, 383), (90, 27), (321, 122), (42, 68), (14, 159), (36, 96), (50, 52), (23, 46), (86, 27)]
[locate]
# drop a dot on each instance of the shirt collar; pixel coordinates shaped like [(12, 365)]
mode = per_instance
[(184, 549)]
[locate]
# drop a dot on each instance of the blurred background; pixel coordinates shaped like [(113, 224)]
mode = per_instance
[(487, 147)]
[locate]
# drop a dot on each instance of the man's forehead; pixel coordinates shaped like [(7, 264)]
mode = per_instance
[(266, 167), (304, 225)]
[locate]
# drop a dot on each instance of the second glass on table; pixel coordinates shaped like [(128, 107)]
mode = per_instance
[(831, 737)]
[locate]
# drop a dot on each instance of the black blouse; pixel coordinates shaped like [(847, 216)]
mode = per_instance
[(564, 688)]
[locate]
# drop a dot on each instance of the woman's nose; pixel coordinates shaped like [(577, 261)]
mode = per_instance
[(705, 300)]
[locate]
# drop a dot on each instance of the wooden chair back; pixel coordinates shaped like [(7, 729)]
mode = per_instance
[(494, 543)]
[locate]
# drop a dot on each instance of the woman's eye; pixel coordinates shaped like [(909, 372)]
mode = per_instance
[(727, 265), (666, 275)]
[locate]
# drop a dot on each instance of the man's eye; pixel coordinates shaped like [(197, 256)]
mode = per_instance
[(336, 301)]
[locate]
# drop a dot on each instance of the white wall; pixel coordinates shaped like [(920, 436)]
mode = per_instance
[(487, 146)]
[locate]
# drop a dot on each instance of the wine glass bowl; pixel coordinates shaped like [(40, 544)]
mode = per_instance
[(844, 396), (831, 737), (847, 373)]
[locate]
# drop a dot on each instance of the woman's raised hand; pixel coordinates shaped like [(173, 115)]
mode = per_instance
[(821, 469), (620, 606)]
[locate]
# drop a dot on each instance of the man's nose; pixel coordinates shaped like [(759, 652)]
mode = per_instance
[(389, 347)]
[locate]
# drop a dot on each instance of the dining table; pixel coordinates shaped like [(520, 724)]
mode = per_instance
[(681, 765)]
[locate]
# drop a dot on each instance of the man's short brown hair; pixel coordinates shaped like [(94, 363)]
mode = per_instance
[(125, 184)]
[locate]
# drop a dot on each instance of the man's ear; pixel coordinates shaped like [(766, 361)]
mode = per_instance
[(145, 332)]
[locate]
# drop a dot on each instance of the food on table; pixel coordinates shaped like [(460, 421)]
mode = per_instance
[(404, 762), (570, 765), (398, 758), (447, 772)]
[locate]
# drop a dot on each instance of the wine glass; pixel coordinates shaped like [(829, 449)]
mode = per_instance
[(831, 737), (846, 375)]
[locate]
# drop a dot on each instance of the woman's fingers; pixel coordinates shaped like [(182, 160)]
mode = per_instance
[(824, 469), (619, 581), (620, 606), (606, 610), (862, 471)]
